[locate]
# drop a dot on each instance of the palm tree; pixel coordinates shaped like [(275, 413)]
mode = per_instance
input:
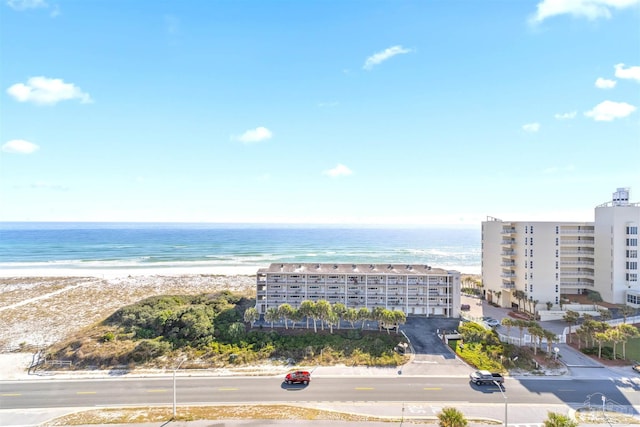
[(537, 333), (271, 315), (323, 311), (340, 310), (627, 332), (295, 317), (377, 315), (332, 319), (363, 315), (520, 296), (626, 311), (558, 420), (571, 317), (550, 337), (615, 336), (306, 310), (285, 311), (508, 323), (351, 316), (399, 318), (451, 417), (251, 315), (600, 337)]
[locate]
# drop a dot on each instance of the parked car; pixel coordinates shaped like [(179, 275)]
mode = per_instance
[(492, 322), (298, 377), (465, 307), (636, 368)]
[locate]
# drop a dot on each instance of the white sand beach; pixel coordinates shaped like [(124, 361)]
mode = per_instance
[(47, 306)]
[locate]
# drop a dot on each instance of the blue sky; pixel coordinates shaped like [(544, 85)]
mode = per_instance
[(360, 112)]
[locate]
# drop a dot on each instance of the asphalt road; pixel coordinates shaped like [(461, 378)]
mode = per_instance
[(159, 391)]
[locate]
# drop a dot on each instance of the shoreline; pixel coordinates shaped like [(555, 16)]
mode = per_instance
[(125, 272)]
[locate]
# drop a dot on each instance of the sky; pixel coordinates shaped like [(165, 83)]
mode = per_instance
[(426, 112)]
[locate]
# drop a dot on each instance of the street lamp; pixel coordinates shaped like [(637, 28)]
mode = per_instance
[(505, 401), (174, 386)]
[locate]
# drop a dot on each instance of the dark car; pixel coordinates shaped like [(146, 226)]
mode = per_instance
[(298, 377)]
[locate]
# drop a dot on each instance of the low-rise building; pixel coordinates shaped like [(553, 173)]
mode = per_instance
[(417, 290)]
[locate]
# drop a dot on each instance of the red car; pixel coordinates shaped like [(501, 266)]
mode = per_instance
[(298, 377)]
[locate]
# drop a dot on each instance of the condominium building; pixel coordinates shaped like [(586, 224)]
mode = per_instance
[(529, 262), (414, 289)]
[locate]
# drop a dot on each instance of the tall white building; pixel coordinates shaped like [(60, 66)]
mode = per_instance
[(524, 262)]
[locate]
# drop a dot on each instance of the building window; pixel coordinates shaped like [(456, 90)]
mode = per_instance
[(531, 252), (556, 253), (530, 264), (531, 288), (632, 253), (632, 230), (632, 242), (556, 265), (556, 241), (532, 240), (632, 265), (532, 229), (526, 241), (531, 275), (557, 230), (556, 290), (556, 276), (632, 277), (526, 229)]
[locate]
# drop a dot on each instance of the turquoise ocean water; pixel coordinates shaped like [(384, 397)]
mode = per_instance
[(102, 246)]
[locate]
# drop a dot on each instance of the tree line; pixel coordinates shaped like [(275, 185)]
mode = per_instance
[(327, 314), (592, 331)]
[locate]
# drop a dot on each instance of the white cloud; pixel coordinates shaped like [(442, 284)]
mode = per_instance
[(628, 73), (19, 146), (566, 116), (46, 91), (26, 4), (607, 111), (382, 56), (339, 170), (255, 135), (605, 83), (590, 9), (531, 127)]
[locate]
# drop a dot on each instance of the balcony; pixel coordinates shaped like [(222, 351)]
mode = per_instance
[(509, 242), (509, 230), (508, 285), (508, 274), (577, 242), (577, 252), (510, 263), (580, 232), (509, 252)]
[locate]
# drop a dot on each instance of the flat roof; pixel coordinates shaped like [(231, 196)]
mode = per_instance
[(335, 268)]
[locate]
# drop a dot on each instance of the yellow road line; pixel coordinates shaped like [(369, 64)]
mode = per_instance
[(364, 388), (433, 388), (10, 394), (86, 392), (227, 389), (159, 390)]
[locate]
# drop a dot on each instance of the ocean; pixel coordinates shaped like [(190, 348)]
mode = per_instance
[(31, 246)]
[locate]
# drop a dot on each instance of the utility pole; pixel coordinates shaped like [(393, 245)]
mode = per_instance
[(174, 387), (505, 401)]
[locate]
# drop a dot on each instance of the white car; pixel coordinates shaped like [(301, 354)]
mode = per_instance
[(492, 322)]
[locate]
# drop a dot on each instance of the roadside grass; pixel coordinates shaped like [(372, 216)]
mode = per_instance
[(194, 413)]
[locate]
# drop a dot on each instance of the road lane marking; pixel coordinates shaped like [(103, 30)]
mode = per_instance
[(433, 388), (10, 394), (86, 392), (364, 388), (159, 390), (227, 389)]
